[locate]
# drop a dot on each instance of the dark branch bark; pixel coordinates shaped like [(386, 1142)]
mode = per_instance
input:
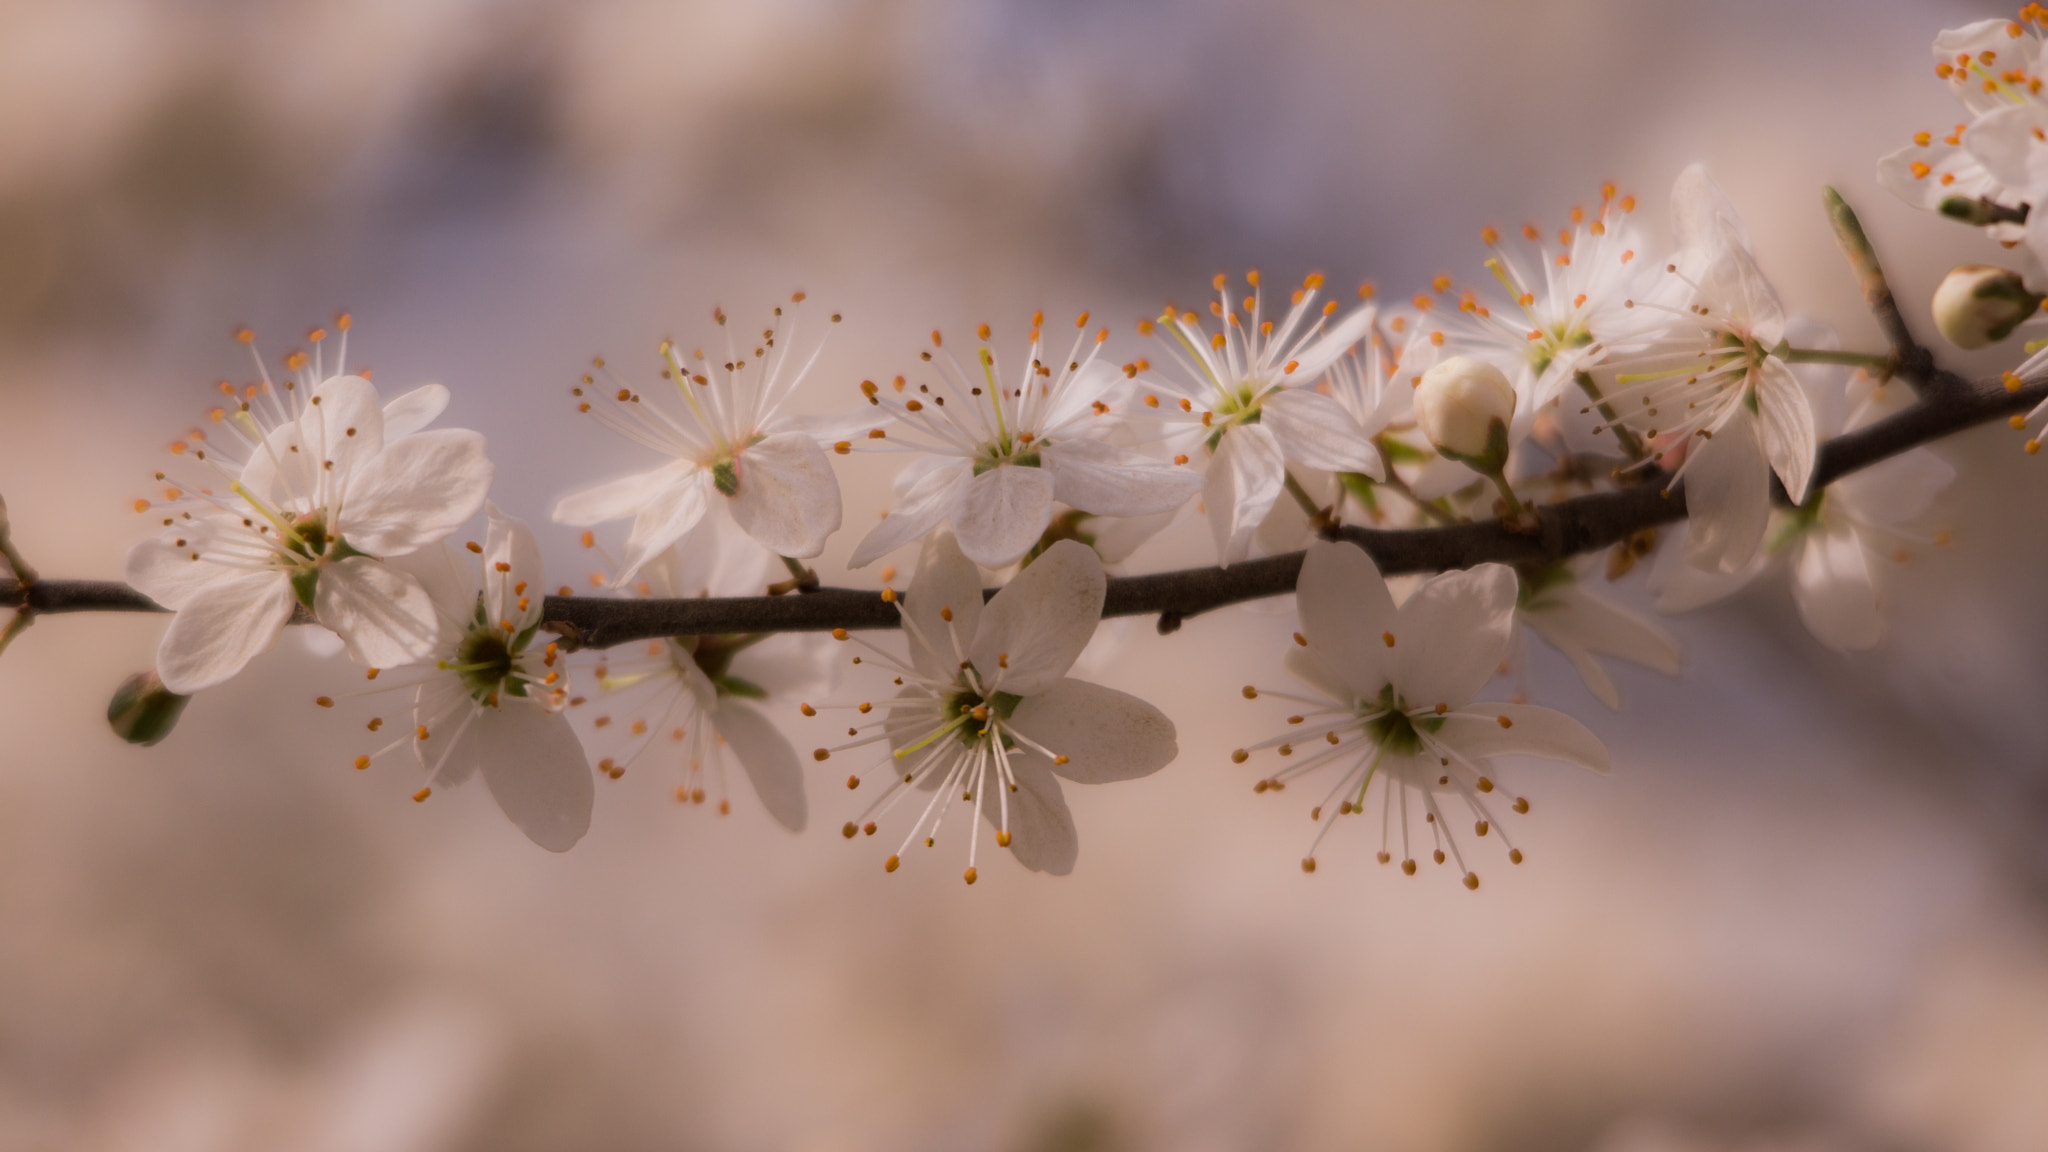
[(1584, 524), (1911, 359)]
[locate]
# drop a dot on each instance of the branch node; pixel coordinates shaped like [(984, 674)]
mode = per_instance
[(1169, 623)]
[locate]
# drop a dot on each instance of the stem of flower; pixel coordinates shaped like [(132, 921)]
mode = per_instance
[(1516, 514), (801, 579), (1623, 435), (1882, 365), (1428, 508), (1318, 518)]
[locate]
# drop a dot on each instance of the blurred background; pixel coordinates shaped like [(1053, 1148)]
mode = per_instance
[(1809, 911)]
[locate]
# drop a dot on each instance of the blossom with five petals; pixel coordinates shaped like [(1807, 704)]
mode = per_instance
[(988, 714), (1392, 693), (731, 440), (997, 456), (333, 483), (1710, 380), (1244, 399)]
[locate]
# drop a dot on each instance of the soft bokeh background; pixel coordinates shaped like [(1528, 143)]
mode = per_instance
[(1808, 912)]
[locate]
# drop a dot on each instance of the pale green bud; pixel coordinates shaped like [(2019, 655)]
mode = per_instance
[(143, 711), (1464, 405), (1979, 305)]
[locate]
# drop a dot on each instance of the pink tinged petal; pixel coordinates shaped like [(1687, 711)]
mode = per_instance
[(383, 615), (1837, 597), (1246, 475), (1106, 735), (1346, 615), (1788, 432), (1002, 513), (1581, 625), (1727, 496), (1315, 359), (665, 518), (1042, 834), (1034, 629), (509, 543), (222, 627), (1451, 633), (1315, 431), (788, 498), (771, 763), (1096, 379), (924, 506), (1311, 669), (413, 411), (168, 574), (624, 497), (416, 491), (1680, 587), (1478, 734), (1117, 537), (942, 603), (536, 771), (1892, 491), (1104, 480)]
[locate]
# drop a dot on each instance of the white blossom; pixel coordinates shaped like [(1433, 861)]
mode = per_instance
[(1391, 693), (987, 714), (698, 700), (306, 489), (729, 443), (491, 698), (1709, 382), (1244, 400), (1556, 603), (996, 455)]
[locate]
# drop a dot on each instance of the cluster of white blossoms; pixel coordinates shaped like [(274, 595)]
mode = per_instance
[(1590, 358)]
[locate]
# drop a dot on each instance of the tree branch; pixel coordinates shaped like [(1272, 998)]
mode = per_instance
[(1911, 359), (1568, 528)]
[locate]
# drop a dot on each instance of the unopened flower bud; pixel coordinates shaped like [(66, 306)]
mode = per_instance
[(1463, 405), (143, 711), (1978, 305)]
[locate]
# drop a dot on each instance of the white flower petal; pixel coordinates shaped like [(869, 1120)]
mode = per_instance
[(1580, 624), (788, 498), (1450, 635), (1315, 431), (511, 560), (413, 411), (1034, 629), (923, 507), (1531, 731), (1727, 496), (1896, 490), (1106, 735), (1117, 537), (535, 768), (382, 615), (167, 573), (770, 761), (222, 627), (311, 461), (1788, 432), (1678, 586), (1832, 584), (1311, 669), (416, 491), (1092, 382), (1315, 359), (1104, 480), (670, 513), (946, 584), (1346, 614), (1245, 476), (623, 497), (1002, 513), (1042, 834)]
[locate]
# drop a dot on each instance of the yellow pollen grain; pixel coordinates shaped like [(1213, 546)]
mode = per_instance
[(420, 797), (821, 754), (891, 864), (1388, 637), (362, 762), (324, 701)]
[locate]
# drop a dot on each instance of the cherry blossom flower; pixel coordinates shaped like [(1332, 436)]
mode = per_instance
[(1390, 693), (1840, 539), (730, 439), (995, 457), (491, 700), (1563, 299), (987, 712), (697, 698), (1712, 381), (329, 484), (1244, 399), (1993, 68)]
